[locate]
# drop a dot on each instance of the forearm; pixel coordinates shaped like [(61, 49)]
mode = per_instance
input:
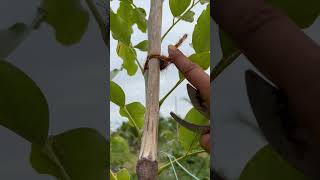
[(279, 49)]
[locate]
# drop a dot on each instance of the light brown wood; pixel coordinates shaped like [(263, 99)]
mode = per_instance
[(147, 166)]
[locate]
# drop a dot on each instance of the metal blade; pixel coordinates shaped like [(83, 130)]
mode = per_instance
[(192, 127), (197, 101), (279, 127)]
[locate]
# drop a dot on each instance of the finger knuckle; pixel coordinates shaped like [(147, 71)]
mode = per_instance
[(189, 68)]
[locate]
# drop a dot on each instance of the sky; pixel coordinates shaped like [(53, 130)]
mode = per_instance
[(134, 86)]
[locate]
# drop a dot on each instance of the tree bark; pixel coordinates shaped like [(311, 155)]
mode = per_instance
[(147, 165)]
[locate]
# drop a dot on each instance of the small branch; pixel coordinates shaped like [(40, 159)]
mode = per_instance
[(223, 64), (171, 90), (99, 19), (178, 159), (140, 66), (179, 19), (136, 59)]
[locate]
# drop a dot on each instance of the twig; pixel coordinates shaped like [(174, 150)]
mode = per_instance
[(101, 22), (223, 64), (178, 159)]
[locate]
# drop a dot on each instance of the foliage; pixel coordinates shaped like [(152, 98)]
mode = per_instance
[(267, 163), (75, 154), (174, 142), (125, 145)]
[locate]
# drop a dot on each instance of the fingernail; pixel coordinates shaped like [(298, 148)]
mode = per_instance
[(171, 48)]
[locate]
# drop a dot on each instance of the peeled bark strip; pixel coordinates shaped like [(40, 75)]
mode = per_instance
[(147, 166)]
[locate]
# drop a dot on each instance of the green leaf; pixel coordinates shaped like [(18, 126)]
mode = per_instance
[(139, 18), (204, 1), (187, 137), (117, 95), (68, 18), (304, 13), (134, 112), (201, 33), (188, 16), (11, 38), (113, 176), (133, 15), (130, 1), (80, 154), (143, 45), (125, 11), (120, 29), (227, 45), (181, 76), (114, 73), (177, 7), (266, 164), (119, 150), (202, 59), (23, 107), (128, 55), (123, 174)]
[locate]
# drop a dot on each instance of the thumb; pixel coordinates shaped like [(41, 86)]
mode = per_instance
[(205, 142)]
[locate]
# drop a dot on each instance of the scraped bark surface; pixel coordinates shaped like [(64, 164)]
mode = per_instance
[(147, 166)]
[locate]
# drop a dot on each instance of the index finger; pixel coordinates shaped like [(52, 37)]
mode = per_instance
[(192, 72)]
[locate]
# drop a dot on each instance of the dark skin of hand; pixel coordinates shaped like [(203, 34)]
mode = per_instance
[(277, 47), (280, 50), (198, 78)]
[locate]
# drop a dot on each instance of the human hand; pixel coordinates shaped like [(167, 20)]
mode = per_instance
[(198, 78)]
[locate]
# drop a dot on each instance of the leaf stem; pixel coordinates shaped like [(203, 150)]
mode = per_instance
[(223, 64), (172, 89), (178, 159), (179, 19), (49, 151), (131, 119), (99, 19)]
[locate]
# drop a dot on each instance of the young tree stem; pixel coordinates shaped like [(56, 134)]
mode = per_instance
[(147, 165)]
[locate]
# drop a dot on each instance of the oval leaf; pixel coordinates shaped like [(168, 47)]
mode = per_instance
[(228, 47), (143, 45), (201, 33), (187, 138), (68, 18), (11, 38), (123, 174), (202, 59), (120, 29), (188, 16), (266, 164), (135, 113), (117, 95), (139, 18), (177, 7), (128, 55), (80, 154), (23, 107), (125, 11)]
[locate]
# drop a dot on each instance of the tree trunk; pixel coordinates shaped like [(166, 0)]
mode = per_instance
[(147, 165)]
